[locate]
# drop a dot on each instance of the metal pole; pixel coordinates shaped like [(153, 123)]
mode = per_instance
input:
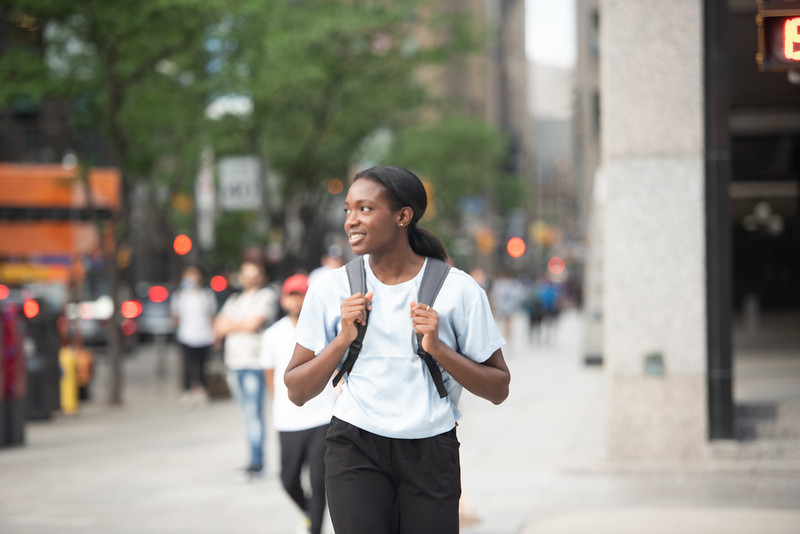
[(718, 227)]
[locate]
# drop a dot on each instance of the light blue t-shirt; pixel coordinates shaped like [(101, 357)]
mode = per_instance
[(389, 391)]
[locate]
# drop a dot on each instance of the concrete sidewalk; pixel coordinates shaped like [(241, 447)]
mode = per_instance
[(534, 464), (541, 466)]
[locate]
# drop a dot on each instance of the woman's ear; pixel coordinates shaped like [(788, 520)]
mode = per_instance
[(404, 216)]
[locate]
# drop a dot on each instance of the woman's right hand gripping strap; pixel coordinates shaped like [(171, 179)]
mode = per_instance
[(357, 277)]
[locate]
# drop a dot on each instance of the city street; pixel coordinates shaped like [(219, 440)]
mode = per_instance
[(534, 464)]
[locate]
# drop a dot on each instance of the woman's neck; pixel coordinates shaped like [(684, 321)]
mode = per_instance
[(397, 267)]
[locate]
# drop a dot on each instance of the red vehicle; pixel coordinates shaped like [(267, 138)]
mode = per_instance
[(13, 373)]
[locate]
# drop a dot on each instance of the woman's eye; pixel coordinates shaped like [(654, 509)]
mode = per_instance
[(361, 208)]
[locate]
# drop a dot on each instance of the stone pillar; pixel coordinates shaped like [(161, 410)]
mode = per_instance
[(652, 170)]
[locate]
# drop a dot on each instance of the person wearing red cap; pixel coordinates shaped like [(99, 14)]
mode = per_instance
[(301, 430)]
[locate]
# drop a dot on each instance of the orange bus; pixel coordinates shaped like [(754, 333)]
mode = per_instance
[(46, 224)]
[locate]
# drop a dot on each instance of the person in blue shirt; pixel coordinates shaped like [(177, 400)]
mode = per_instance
[(392, 460)]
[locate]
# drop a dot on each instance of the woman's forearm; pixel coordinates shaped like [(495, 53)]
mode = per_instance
[(488, 380), (307, 374)]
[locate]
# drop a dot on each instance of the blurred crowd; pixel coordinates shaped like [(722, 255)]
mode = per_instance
[(540, 299)]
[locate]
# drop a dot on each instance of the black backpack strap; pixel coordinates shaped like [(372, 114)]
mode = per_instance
[(357, 277), (432, 280)]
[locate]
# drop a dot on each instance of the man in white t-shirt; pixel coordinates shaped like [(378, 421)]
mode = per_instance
[(241, 321), (301, 430)]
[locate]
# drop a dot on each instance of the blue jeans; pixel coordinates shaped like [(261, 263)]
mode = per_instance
[(247, 387)]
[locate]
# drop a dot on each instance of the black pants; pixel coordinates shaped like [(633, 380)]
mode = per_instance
[(379, 485), (305, 447), (194, 366)]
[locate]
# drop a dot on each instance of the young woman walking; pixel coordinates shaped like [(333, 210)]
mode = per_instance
[(392, 462)]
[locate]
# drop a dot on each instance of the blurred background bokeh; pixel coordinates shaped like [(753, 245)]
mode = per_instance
[(208, 133), (633, 164)]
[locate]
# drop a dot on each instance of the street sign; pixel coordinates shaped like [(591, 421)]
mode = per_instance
[(778, 35), (240, 183)]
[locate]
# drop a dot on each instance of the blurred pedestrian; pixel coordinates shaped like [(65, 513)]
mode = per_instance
[(392, 461), (301, 430), (507, 294), (331, 260), (534, 308), (550, 295), (241, 322), (193, 308)]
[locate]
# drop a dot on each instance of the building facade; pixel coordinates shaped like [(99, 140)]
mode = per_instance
[(690, 162)]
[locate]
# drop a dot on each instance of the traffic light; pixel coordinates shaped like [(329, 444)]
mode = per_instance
[(778, 35), (182, 244), (515, 247)]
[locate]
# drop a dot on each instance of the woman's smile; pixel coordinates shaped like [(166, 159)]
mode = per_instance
[(355, 237)]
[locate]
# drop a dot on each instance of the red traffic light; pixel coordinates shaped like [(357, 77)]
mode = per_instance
[(515, 247), (182, 244), (157, 294), (556, 265), (3, 291)]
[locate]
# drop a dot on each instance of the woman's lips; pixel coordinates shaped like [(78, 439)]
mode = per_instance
[(355, 237)]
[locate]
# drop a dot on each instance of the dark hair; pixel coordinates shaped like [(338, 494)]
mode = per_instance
[(405, 189)]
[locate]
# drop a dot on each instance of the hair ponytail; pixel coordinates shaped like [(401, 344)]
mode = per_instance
[(425, 243), (406, 189)]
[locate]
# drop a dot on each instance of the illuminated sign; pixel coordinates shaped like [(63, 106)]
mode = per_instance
[(778, 35)]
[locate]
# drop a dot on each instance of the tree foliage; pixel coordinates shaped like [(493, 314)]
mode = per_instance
[(322, 76), (460, 156), (127, 67), (463, 159)]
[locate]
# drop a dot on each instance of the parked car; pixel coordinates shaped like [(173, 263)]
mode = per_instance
[(34, 322), (90, 319), (155, 318)]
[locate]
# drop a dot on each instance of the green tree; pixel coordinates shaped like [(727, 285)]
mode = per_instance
[(322, 76), (134, 71), (461, 157)]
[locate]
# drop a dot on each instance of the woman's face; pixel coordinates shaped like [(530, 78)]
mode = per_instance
[(371, 224)]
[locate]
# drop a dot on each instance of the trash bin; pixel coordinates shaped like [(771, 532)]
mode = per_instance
[(41, 345), (14, 378)]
